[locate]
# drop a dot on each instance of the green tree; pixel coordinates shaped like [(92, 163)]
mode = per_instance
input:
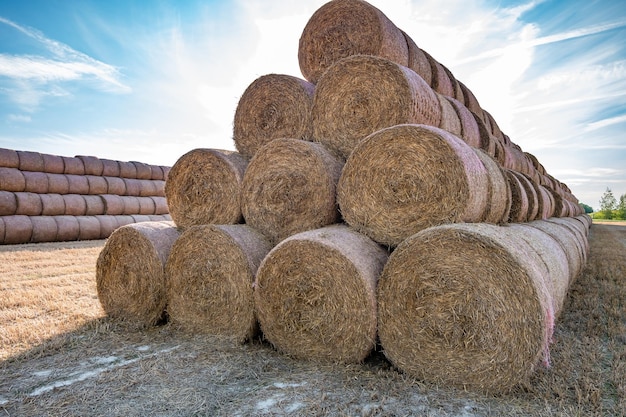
[(608, 204), (586, 208), (621, 207)]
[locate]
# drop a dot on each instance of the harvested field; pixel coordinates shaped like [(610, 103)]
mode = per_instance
[(60, 354)]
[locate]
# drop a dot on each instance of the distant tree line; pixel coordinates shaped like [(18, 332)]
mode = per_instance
[(610, 207)]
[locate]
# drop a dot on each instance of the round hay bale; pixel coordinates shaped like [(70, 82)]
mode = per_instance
[(88, 228), (73, 166), (113, 204), (146, 205), (124, 220), (405, 178), (362, 94), (8, 203), (449, 117), (17, 229), (499, 203), (130, 276), (577, 230), (52, 204), (343, 28), (161, 217), (166, 172), (441, 83), (75, 205), (487, 142), (546, 202), (148, 188), (159, 188), (9, 159), (131, 204), (78, 184), (35, 182), (133, 186), (137, 218), (30, 161), (465, 305), (568, 241), (519, 198), (115, 186), (157, 172), (315, 294), (495, 129), (12, 179), (110, 168), (53, 164), (93, 165), (530, 188), (94, 205), (144, 171), (470, 99), (28, 204), (127, 169), (58, 184), (107, 225), (204, 187), (97, 185), (44, 229), (2, 230), (210, 274), (289, 187), (418, 61), (160, 205), (273, 106), (469, 128)]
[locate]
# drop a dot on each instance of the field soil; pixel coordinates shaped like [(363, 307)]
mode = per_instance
[(61, 356)]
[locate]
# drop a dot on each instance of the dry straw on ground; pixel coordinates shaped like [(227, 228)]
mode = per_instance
[(289, 187), (315, 294), (203, 187), (209, 274), (273, 106), (405, 178), (362, 94), (467, 305), (342, 28), (130, 271)]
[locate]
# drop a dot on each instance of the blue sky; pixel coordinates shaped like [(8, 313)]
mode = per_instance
[(151, 80)]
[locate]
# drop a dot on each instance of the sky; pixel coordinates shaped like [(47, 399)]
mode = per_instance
[(151, 80)]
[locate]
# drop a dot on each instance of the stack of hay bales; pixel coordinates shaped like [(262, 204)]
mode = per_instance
[(373, 202), (48, 198)]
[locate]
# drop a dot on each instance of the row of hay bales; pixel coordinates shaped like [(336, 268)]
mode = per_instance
[(47, 198), (401, 218)]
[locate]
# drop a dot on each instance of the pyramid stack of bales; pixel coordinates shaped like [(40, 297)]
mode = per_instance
[(372, 203), (49, 198)]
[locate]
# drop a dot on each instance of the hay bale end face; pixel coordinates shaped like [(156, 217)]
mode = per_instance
[(464, 305), (210, 273), (203, 187), (406, 178), (315, 294), (130, 274), (289, 187)]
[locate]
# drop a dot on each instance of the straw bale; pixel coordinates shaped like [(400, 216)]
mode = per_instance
[(113, 204), (148, 188), (441, 82), (133, 186), (9, 159), (545, 202), (97, 185), (94, 205), (17, 229), (465, 305), (289, 187), (88, 228), (469, 128), (160, 205), (137, 218), (166, 172), (12, 179), (78, 184), (130, 276), (315, 294), (115, 186), (362, 94), (107, 225), (470, 99), (568, 241), (159, 188), (204, 187), (519, 198), (110, 168), (487, 142), (146, 205), (127, 169), (75, 204), (131, 204), (495, 129), (73, 166), (8, 203), (157, 172), (273, 106), (30, 161), (578, 230), (449, 117), (124, 220), (418, 61), (405, 178), (343, 28), (28, 204), (144, 171), (2, 230), (93, 165), (53, 164), (52, 204), (58, 183), (530, 189), (35, 182), (210, 274), (499, 203), (44, 229)]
